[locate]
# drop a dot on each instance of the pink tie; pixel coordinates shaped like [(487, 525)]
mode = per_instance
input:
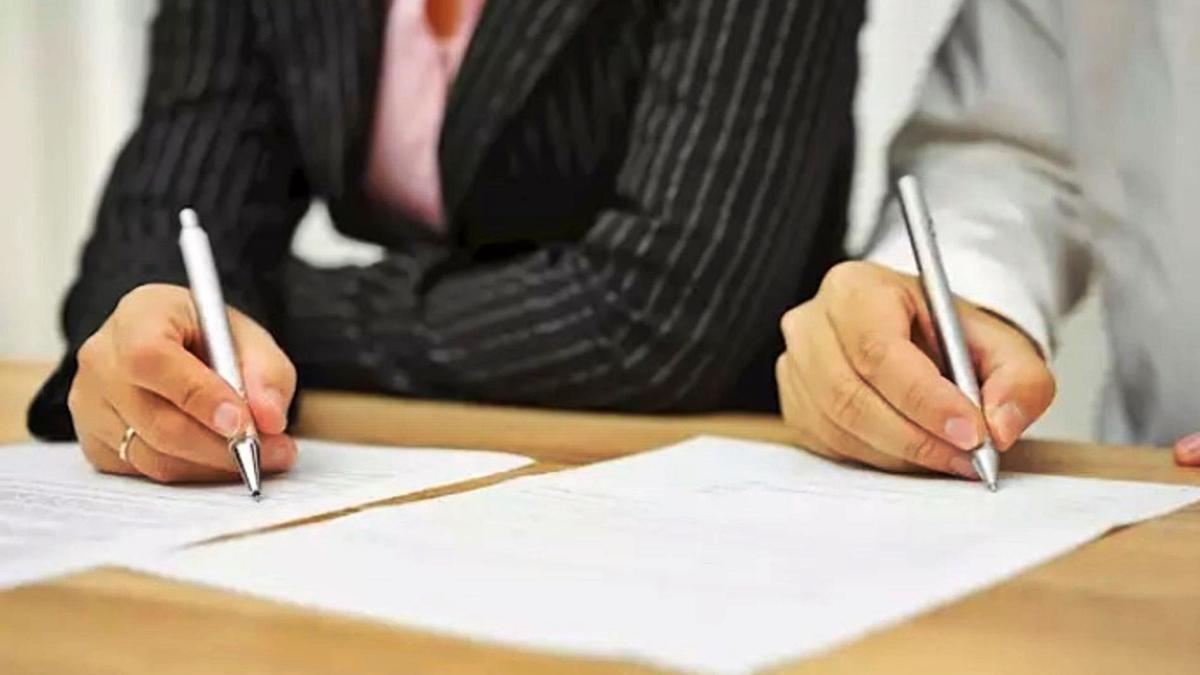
[(423, 47)]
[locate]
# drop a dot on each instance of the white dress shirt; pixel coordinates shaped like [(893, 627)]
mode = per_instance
[(1059, 142)]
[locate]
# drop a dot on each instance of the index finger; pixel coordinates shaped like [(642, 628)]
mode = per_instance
[(161, 364), (874, 327)]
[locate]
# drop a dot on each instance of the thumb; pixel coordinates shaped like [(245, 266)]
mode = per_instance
[(269, 374), (1018, 386)]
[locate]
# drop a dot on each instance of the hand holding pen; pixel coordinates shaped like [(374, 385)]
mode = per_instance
[(861, 380), (144, 402)]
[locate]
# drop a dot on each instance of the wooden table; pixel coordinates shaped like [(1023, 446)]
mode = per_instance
[(1127, 603)]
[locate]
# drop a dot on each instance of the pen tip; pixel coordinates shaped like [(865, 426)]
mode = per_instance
[(992, 487), (256, 495)]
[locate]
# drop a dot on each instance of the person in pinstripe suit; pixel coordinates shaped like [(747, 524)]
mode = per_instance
[(631, 194)]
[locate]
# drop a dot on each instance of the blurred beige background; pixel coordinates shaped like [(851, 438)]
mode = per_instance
[(70, 79)]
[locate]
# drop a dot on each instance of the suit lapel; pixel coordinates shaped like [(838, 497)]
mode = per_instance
[(353, 46), (328, 58), (360, 60), (332, 73), (514, 43)]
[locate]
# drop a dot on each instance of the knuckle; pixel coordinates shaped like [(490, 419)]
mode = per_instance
[(847, 402), (915, 398), (849, 276), (166, 429), (871, 354), (921, 449), (130, 301), (790, 323), (191, 393), (143, 357), (126, 300), (88, 355), (845, 274)]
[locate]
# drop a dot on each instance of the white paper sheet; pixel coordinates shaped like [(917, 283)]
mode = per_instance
[(713, 555), (58, 515)]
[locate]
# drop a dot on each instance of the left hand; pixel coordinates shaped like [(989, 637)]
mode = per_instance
[(1187, 451)]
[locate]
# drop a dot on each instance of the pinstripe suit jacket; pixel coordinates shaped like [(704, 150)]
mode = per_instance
[(635, 189)]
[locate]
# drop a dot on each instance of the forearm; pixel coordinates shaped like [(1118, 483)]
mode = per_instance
[(559, 327), (991, 142), (995, 260)]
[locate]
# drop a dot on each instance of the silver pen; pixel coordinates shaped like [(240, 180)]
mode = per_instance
[(950, 334), (214, 324)]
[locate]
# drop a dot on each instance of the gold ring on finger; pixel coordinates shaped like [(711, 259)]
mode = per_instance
[(126, 440)]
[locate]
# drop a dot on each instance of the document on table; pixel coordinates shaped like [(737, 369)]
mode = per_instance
[(712, 555), (58, 515)]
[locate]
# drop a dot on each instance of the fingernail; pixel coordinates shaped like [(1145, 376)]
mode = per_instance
[(962, 466), (227, 420), (962, 433), (1009, 421), (1189, 447)]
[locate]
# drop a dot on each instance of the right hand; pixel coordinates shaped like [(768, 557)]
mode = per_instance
[(859, 380), (141, 369)]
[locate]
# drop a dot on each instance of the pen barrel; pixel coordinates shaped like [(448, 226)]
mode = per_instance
[(210, 306), (936, 286)]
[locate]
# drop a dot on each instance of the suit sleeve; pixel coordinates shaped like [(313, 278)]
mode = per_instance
[(990, 141), (211, 136), (663, 302)]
